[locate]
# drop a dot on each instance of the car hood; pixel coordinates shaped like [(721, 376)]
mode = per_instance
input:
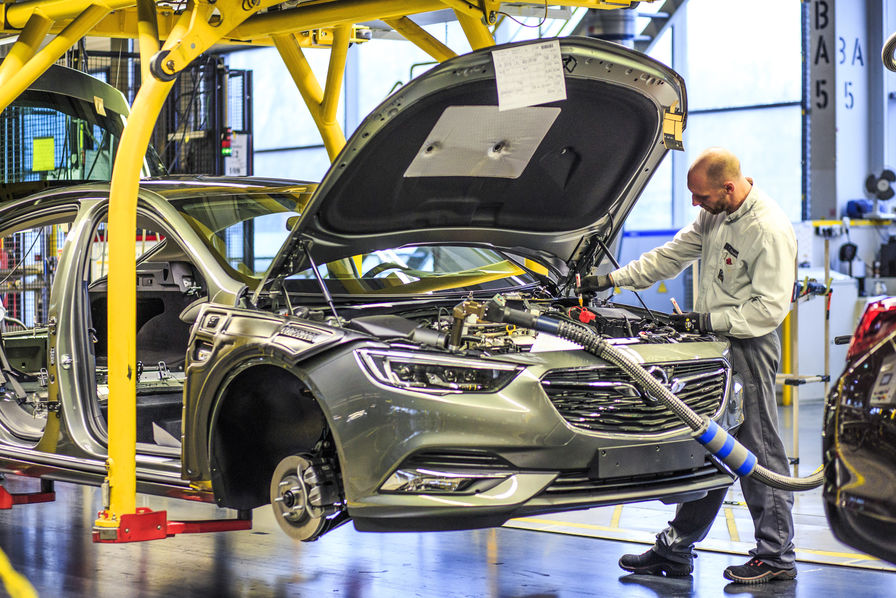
[(439, 161)]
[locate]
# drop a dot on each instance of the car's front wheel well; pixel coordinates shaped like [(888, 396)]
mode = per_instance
[(263, 415)]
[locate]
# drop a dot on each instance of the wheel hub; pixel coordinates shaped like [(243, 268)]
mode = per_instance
[(302, 497)]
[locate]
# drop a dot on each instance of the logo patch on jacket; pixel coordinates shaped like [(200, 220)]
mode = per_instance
[(730, 250)]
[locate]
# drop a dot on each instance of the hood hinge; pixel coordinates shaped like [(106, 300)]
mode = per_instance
[(673, 126)]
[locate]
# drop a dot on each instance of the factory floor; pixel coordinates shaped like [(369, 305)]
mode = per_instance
[(566, 555)]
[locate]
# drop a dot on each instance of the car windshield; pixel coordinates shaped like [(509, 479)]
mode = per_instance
[(419, 269), (244, 229)]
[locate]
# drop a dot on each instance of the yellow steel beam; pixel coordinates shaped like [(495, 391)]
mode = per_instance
[(191, 30), (26, 45), (19, 81), (322, 103), (147, 34), (328, 14), (335, 75), (17, 14), (125, 24), (475, 29), (208, 22), (483, 9), (416, 34)]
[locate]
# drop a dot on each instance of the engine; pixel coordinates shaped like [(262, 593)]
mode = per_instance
[(465, 327)]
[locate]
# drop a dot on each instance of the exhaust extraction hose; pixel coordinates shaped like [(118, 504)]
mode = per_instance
[(888, 53), (714, 438)]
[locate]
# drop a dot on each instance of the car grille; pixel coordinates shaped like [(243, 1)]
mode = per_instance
[(606, 399)]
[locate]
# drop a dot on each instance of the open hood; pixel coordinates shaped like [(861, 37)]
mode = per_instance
[(441, 161)]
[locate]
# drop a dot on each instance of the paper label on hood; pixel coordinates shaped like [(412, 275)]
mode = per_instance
[(529, 75)]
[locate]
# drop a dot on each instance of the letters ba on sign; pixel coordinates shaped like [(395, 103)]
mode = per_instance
[(529, 75)]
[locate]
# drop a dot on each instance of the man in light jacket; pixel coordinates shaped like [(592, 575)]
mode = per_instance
[(747, 248)]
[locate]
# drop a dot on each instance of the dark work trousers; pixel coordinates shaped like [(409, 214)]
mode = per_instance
[(756, 361)]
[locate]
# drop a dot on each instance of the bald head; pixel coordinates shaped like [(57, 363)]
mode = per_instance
[(716, 181), (718, 165)]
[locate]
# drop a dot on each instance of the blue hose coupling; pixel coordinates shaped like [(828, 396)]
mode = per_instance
[(724, 446)]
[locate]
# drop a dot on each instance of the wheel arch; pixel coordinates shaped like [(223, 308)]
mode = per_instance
[(262, 413)]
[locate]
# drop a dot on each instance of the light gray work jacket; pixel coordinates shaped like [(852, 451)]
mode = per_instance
[(746, 269)]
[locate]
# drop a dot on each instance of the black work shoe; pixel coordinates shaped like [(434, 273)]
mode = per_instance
[(757, 571), (650, 563)]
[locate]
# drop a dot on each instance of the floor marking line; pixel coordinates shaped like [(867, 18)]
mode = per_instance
[(602, 528), (617, 515), (732, 525), (539, 521)]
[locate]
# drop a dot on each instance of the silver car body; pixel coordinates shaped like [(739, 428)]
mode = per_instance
[(377, 400)]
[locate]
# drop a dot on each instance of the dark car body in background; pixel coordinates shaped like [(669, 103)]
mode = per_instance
[(859, 438)]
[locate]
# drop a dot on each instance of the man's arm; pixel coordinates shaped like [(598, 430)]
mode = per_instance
[(662, 263)]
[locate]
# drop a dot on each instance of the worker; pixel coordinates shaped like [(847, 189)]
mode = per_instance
[(747, 247)]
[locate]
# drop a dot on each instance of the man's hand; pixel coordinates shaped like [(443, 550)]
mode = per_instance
[(595, 284), (691, 321)]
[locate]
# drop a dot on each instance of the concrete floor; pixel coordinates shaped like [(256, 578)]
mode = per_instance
[(554, 556)]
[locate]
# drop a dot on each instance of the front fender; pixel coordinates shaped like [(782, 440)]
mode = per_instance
[(225, 342)]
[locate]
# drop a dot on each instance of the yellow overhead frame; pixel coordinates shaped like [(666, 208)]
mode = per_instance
[(416, 34), (186, 35), (322, 103), (26, 45), (25, 73)]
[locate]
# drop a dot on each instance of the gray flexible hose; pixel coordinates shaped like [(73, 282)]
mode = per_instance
[(705, 431), (888, 53)]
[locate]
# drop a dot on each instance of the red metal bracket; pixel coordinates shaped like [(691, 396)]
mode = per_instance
[(147, 524), (8, 499)]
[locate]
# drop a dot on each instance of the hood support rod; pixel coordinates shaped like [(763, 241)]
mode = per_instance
[(606, 251), (320, 279)]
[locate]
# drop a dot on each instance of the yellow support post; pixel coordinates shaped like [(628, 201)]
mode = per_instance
[(40, 62), (335, 76), (147, 35), (786, 352), (26, 45), (191, 29), (421, 38), (321, 103), (122, 463)]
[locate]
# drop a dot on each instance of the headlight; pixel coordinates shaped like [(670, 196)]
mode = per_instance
[(437, 373)]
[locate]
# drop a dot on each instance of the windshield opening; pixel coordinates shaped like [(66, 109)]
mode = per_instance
[(414, 270), (245, 230)]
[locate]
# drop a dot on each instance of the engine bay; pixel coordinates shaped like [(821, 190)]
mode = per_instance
[(465, 327)]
